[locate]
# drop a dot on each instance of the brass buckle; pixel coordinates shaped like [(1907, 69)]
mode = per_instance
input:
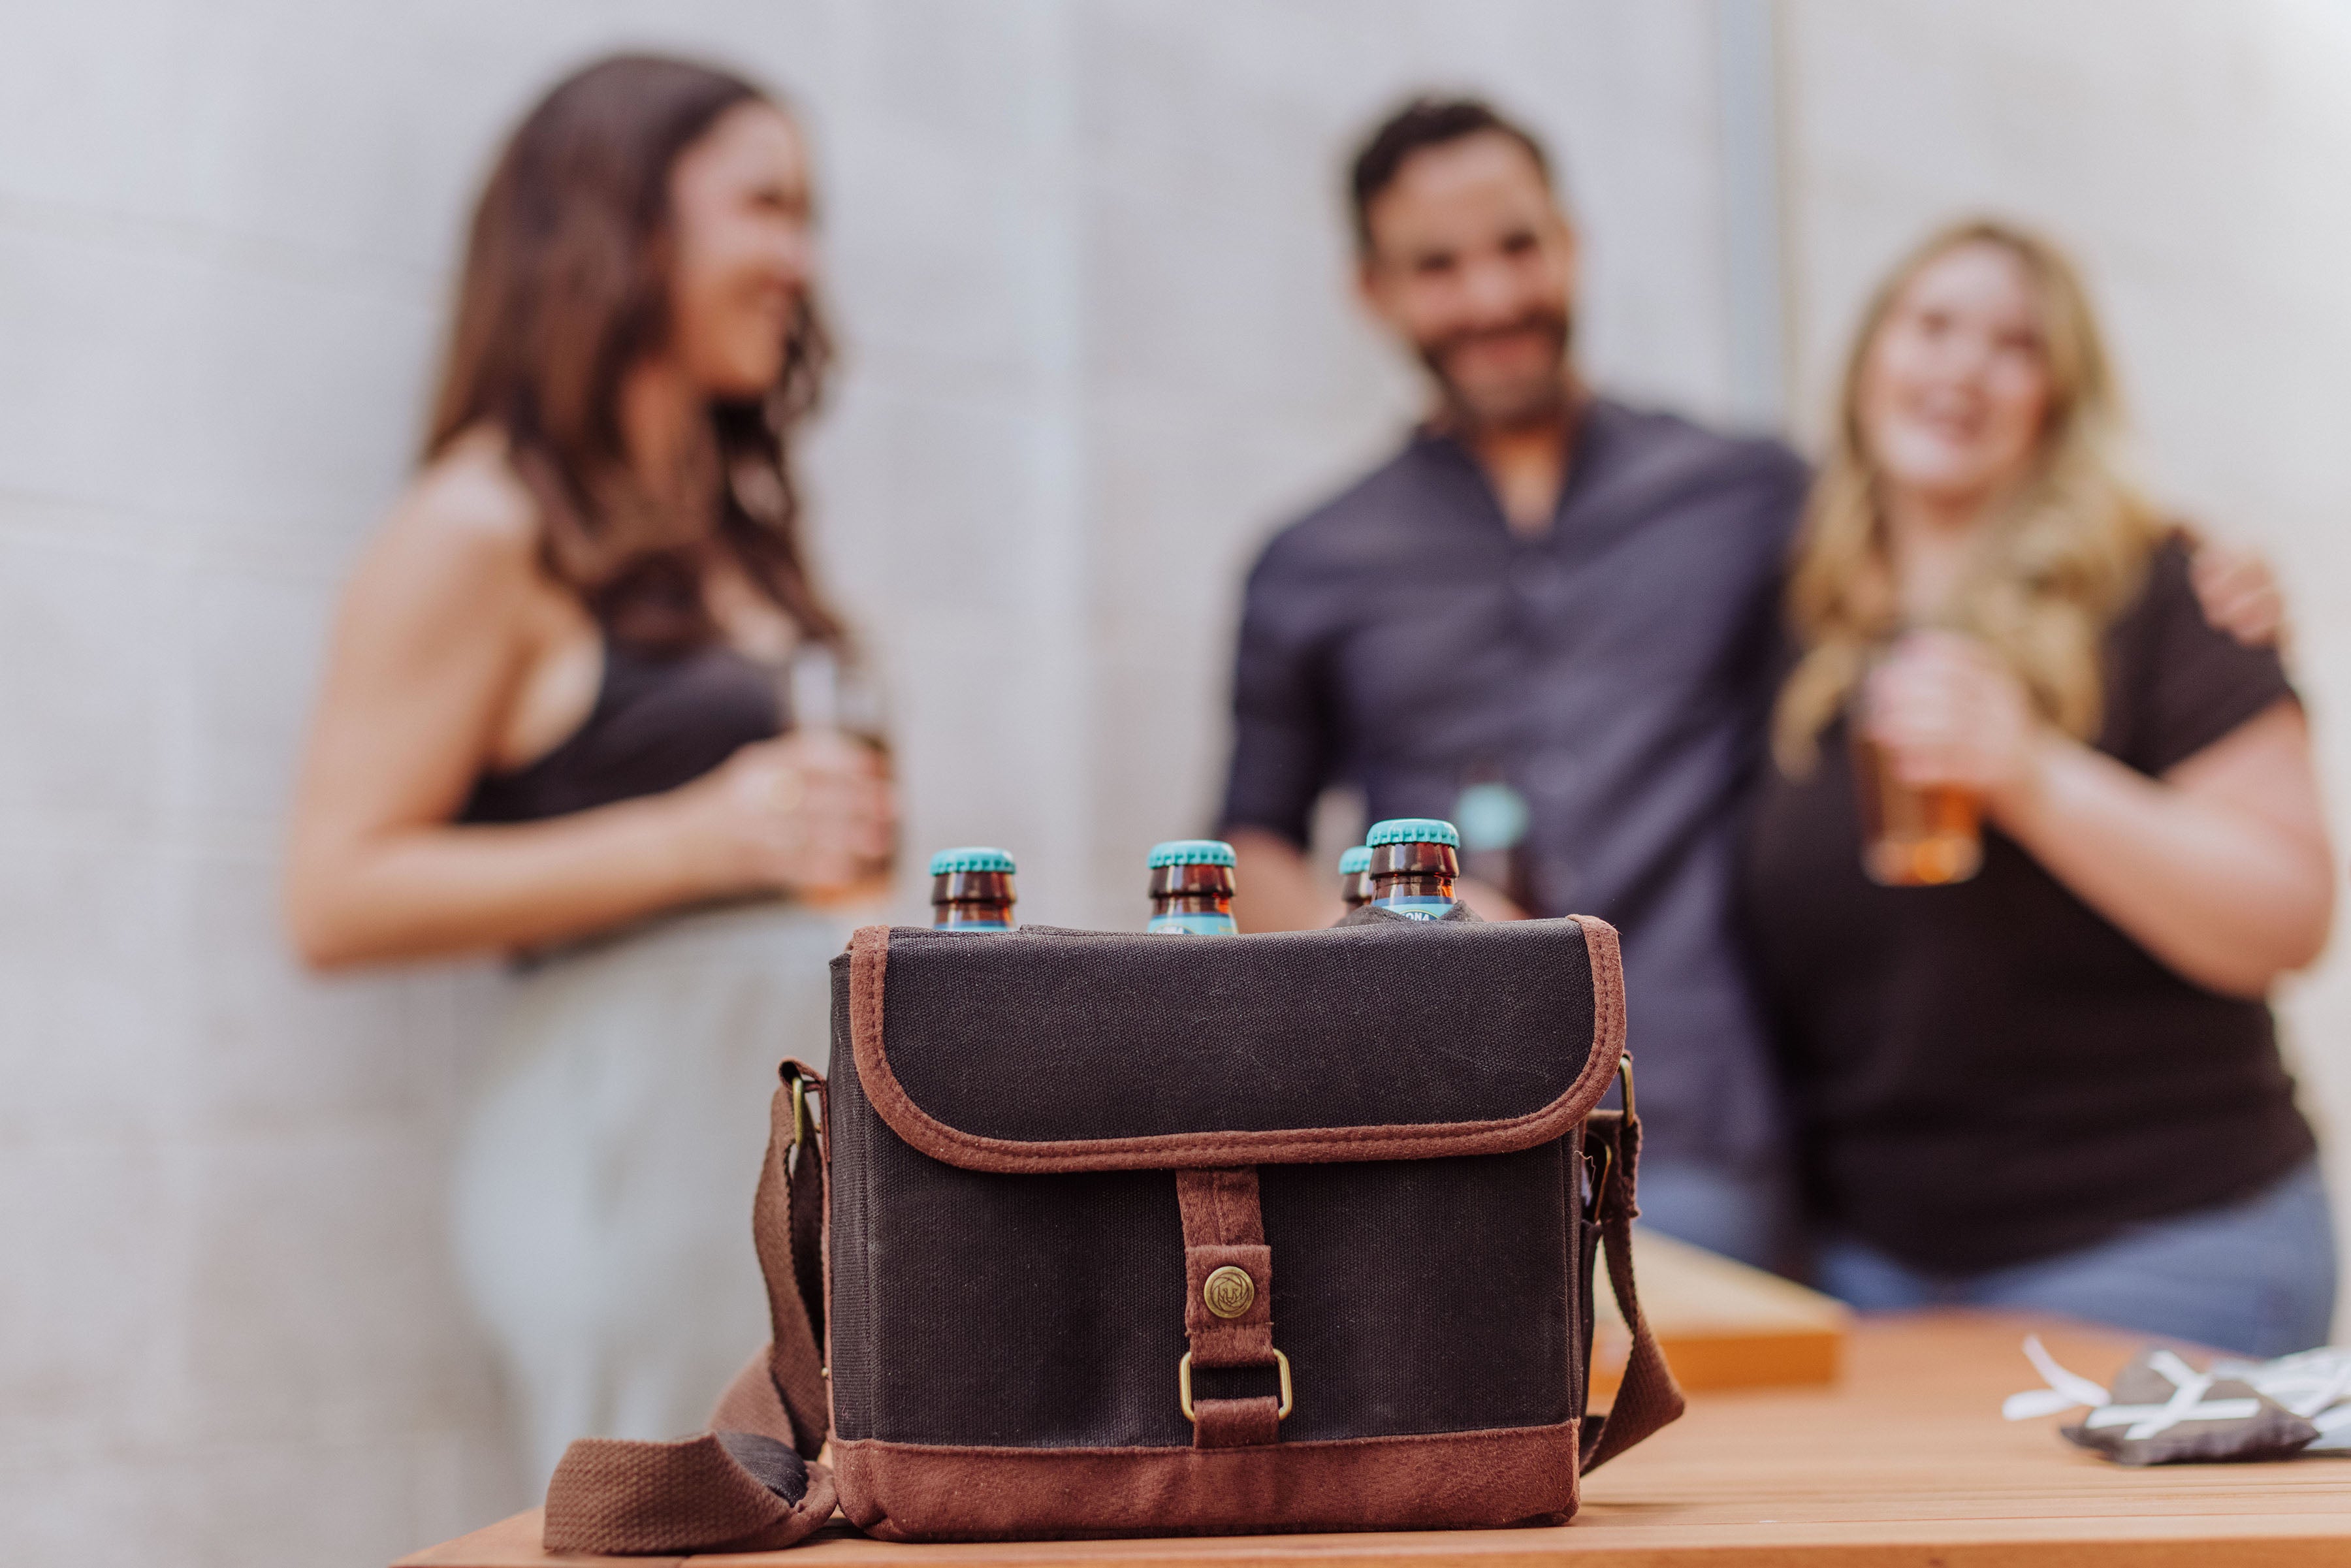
[(1184, 1386), (800, 1128), (1608, 1151)]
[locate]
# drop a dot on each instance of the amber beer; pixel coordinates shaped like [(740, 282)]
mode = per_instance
[(1414, 862), (1912, 837), (1192, 885), (971, 890)]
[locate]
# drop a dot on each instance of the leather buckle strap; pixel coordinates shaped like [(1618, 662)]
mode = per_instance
[(1605, 1165), (1227, 1305), (1647, 1397)]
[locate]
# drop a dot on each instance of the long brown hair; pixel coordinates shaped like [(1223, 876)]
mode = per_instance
[(2062, 556), (565, 288)]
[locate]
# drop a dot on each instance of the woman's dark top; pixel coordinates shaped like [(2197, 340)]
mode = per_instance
[(1990, 1073), (660, 721)]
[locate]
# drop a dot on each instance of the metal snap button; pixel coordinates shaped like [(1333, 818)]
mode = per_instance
[(1229, 1292)]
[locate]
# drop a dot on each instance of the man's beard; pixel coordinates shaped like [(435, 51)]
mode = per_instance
[(1535, 400)]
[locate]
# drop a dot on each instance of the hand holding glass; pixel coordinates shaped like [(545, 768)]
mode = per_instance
[(1912, 716), (834, 706)]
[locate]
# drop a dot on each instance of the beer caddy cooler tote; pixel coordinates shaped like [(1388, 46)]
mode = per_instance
[(1131, 1236)]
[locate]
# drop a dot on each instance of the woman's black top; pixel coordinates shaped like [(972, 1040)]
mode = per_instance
[(1990, 1072), (660, 721)]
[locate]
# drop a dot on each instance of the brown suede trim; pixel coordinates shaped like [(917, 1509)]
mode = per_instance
[(1236, 1423), (1225, 1229), (911, 1491), (869, 957)]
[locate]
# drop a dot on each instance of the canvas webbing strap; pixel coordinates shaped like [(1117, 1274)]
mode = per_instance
[(750, 1485), (1228, 1301), (1648, 1397)]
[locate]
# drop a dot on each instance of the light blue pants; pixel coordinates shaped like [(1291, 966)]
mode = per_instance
[(2255, 1277), (1742, 1214)]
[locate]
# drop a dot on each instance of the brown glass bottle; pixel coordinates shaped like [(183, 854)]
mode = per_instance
[(1414, 861), (1192, 888), (971, 890), (1355, 878)]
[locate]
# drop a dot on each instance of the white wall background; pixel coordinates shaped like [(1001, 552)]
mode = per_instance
[(1088, 260)]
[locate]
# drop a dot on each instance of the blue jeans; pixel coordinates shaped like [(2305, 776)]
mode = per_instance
[(1747, 1214), (2256, 1276)]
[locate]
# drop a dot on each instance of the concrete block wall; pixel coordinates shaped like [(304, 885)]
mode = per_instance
[(1088, 260)]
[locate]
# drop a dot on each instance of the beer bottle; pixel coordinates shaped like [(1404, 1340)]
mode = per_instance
[(1413, 862), (971, 890), (1493, 818), (1192, 888), (1355, 877)]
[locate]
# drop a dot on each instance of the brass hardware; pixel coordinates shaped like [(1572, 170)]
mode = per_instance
[(1184, 1386), (799, 1110), (1602, 1166), (1607, 1161), (1229, 1292)]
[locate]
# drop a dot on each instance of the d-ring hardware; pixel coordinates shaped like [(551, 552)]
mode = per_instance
[(1184, 1386)]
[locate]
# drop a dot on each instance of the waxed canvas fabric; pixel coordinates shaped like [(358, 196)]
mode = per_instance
[(1046, 1310), (1004, 1312), (1048, 1034)]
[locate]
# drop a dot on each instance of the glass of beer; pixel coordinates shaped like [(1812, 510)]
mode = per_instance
[(1910, 837), (825, 690)]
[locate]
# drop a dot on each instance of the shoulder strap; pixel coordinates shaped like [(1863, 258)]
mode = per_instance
[(750, 1484), (1648, 1397)]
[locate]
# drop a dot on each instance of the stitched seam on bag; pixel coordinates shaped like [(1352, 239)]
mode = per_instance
[(869, 950), (1466, 1435)]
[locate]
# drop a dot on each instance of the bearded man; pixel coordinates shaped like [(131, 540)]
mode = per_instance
[(1550, 616)]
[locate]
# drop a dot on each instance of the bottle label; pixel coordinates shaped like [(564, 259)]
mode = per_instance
[(1192, 925), (1414, 908), (973, 925)]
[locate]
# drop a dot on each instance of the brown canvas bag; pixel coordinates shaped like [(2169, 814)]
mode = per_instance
[(1138, 1236)]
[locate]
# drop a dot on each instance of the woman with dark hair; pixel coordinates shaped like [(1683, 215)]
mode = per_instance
[(551, 714)]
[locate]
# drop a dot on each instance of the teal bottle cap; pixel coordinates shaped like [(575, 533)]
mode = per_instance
[(1191, 852), (1492, 816), (1355, 860), (970, 858), (1412, 831)]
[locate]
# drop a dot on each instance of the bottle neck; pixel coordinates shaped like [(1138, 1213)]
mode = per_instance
[(1356, 889), (1390, 889), (1200, 915), (973, 915), (971, 901), (1194, 899), (1414, 879)]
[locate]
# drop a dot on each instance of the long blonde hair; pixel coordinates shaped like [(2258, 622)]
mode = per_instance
[(2065, 551)]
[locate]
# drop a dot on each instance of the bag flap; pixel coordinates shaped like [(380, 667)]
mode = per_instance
[(1063, 1050)]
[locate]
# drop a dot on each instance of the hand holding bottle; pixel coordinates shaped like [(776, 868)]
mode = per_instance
[(810, 813)]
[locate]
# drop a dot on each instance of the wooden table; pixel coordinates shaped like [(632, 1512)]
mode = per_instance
[(1906, 1462)]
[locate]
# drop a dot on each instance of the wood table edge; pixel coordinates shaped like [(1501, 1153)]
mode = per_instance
[(2173, 1541)]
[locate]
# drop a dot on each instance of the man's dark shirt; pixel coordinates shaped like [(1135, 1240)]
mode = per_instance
[(1616, 671)]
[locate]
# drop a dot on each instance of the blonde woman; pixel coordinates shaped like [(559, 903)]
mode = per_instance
[(2054, 1086)]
